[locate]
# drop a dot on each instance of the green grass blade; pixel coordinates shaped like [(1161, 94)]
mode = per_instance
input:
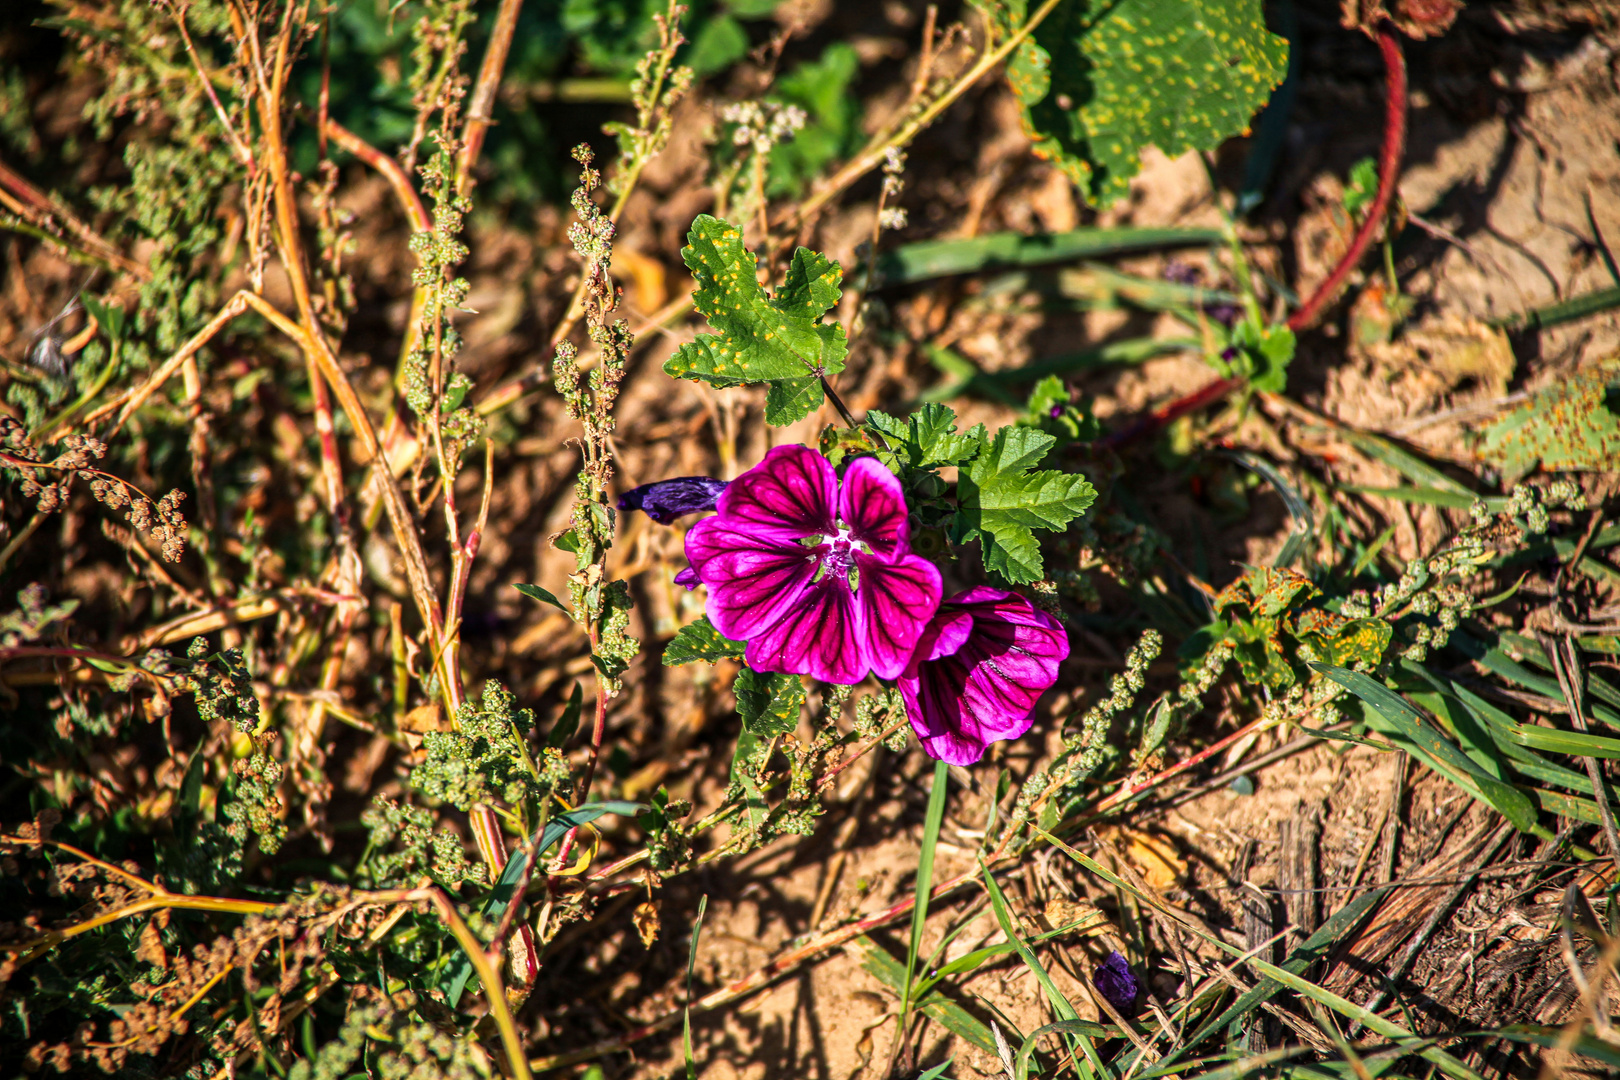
[(1387, 452), (686, 1017), (1587, 1045), (925, 883), (928, 259), (1082, 1028), (1370, 1020), (460, 968), (1404, 723), (977, 957), (1428, 496), (1059, 1003), (1596, 685), (1314, 948)]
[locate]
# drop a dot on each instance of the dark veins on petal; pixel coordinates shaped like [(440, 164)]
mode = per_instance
[(666, 500)]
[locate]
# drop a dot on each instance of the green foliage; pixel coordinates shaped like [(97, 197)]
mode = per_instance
[(1003, 501), (34, 617), (1260, 353), (421, 849), (927, 438), (760, 338), (484, 761), (1050, 410), (396, 1042), (224, 688), (668, 845), (821, 88), (1100, 80), (255, 807), (699, 640), (433, 388), (1274, 620), (1572, 425), (1362, 188)]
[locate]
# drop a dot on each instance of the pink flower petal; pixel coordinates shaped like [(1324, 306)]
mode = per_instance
[(753, 582), (985, 691), (897, 600), (873, 505), (792, 493), (821, 637)]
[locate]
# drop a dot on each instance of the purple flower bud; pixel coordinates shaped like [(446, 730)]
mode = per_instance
[(1055, 411), (1115, 981), (1229, 353), (1183, 273), (688, 578), (666, 500)]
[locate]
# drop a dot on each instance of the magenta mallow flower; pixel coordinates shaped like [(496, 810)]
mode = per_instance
[(980, 666), (816, 574)]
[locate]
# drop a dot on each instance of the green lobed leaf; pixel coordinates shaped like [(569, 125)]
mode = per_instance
[(1003, 502), (1101, 79), (699, 640), (760, 338), (928, 437), (787, 401)]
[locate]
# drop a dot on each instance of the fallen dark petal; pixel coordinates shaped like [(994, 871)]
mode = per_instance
[(1115, 981)]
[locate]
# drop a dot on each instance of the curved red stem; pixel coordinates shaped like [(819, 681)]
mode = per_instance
[(1389, 168)]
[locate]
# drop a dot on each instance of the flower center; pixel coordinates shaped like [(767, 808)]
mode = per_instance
[(837, 556)]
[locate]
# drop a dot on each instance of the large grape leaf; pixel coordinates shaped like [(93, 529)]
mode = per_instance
[(779, 340), (1002, 502), (1101, 79)]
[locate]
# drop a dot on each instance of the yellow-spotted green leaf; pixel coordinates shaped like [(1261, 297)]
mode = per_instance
[(1571, 425), (768, 704), (1340, 641), (1403, 722), (759, 338), (1102, 79), (699, 640)]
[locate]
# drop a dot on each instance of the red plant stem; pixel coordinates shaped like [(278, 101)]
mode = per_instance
[(387, 168), (1389, 168), (1130, 791), (1169, 414)]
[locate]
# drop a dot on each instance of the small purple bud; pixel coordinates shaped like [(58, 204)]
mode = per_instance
[(1055, 411), (1114, 980), (1229, 353), (1182, 273), (666, 500), (688, 578)]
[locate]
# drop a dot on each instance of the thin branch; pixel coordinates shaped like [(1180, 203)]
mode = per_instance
[(484, 90)]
